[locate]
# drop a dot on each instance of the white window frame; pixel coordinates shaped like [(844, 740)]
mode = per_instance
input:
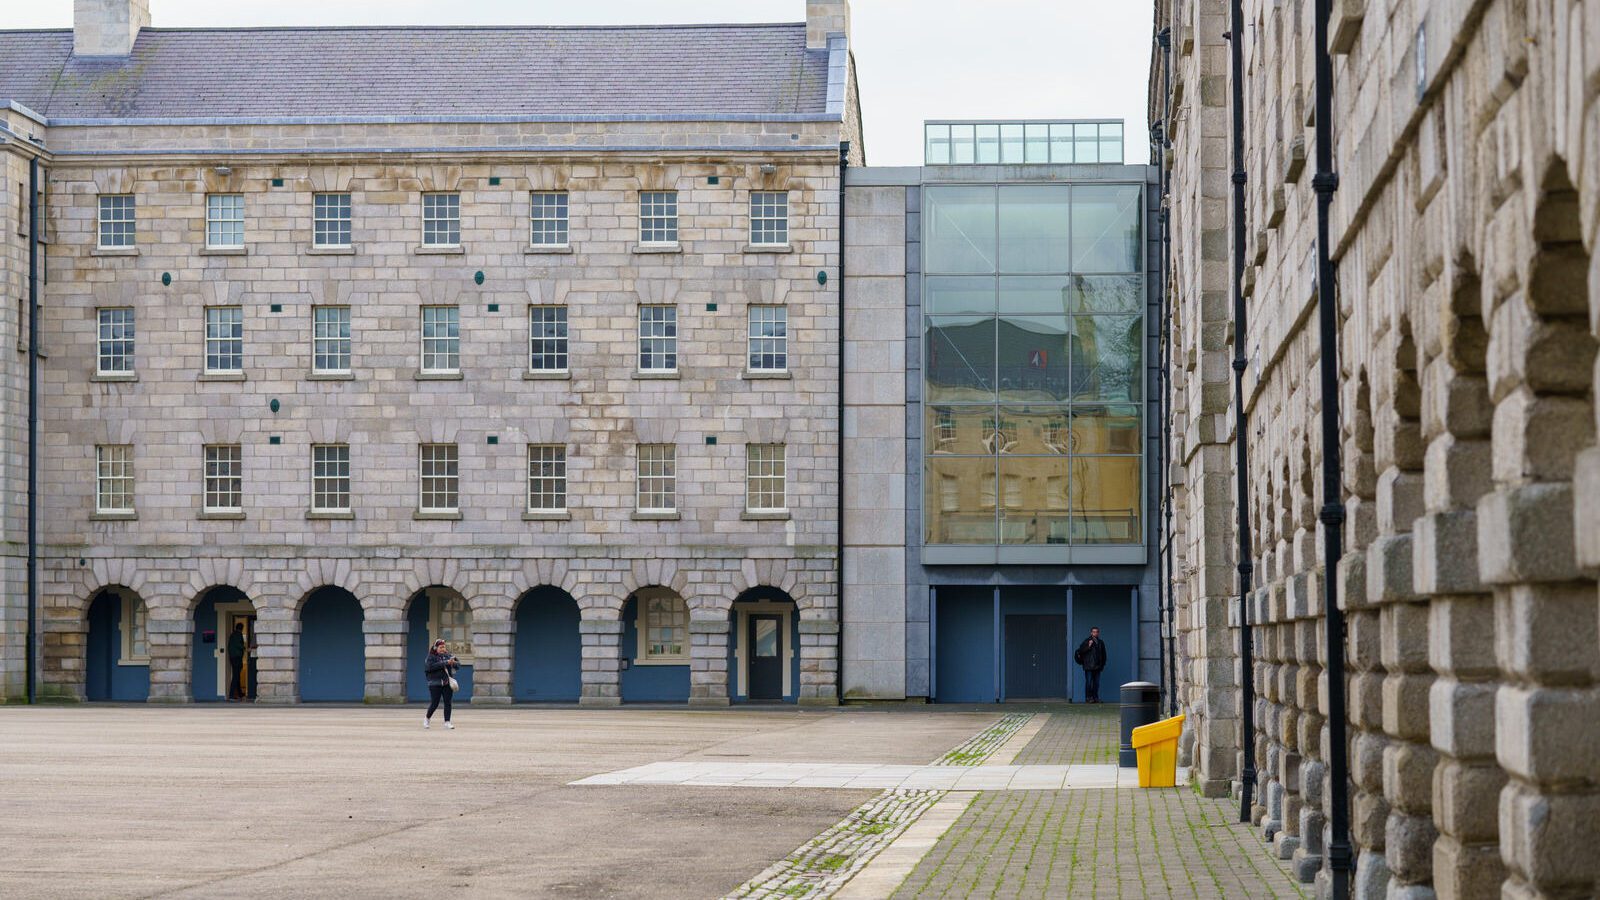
[(762, 346), (656, 465), (221, 341), (547, 478), (447, 347), (331, 217), (460, 631), (224, 221), (216, 483), (557, 345), (549, 219), (766, 467), (114, 465), (118, 220), (327, 473), (769, 217), (332, 340), (658, 218), (643, 626), (114, 334), (441, 218), (132, 627), (450, 481), (662, 335)]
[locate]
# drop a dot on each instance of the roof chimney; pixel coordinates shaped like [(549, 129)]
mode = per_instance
[(107, 27), (825, 17)]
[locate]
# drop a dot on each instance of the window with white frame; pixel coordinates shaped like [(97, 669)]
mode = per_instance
[(663, 626), (765, 477), (330, 478), (117, 225), (441, 339), (114, 341), (330, 340), (224, 339), (658, 217), (441, 220), (547, 478), (113, 478), (439, 478), (658, 339), (547, 338), (224, 478), (657, 478), (330, 220), (769, 339), (135, 628), (450, 619), (769, 218), (548, 219), (224, 221)]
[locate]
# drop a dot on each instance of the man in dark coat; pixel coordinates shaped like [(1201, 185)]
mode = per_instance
[(1092, 656), (236, 651)]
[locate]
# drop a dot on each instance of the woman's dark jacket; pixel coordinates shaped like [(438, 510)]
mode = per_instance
[(439, 667)]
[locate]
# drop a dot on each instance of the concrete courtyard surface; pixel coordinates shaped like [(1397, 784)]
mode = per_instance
[(198, 801)]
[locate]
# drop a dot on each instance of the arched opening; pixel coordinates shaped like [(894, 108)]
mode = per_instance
[(655, 647), (117, 657), (432, 613), (547, 655), (333, 650), (764, 647), (223, 650)]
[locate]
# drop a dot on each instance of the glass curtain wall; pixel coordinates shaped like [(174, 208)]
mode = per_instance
[(1033, 337)]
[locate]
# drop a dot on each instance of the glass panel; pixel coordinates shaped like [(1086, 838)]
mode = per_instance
[(1037, 430), (988, 143), (1036, 295), (944, 295), (1061, 144), (1087, 149), (958, 506), (1105, 428), (1111, 143), (938, 149), (960, 358), (1032, 357), (1105, 357), (1105, 500), (1011, 143), (1033, 228), (1102, 293), (953, 430), (1038, 147), (766, 638), (1105, 228), (961, 143), (959, 229), (1034, 500)]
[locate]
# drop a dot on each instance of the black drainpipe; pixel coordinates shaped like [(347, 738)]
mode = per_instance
[(1247, 700), (1325, 182), (32, 661), (1159, 398), (1165, 39), (838, 685)]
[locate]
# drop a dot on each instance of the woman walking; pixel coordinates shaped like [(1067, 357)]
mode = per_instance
[(441, 666)]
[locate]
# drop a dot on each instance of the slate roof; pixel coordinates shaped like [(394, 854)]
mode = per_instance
[(658, 70)]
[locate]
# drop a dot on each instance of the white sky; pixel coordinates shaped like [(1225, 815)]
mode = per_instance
[(916, 59)]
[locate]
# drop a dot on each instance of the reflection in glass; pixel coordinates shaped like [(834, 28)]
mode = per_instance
[(1110, 142), (1105, 227), (988, 144), (959, 501), (1087, 149), (960, 358), (1106, 293), (1011, 143), (1039, 487), (1106, 355), (1037, 295), (1105, 500), (944, 295), (958, 429), (1038, 430), (938, 149), (766, 637), (1033, 227), (1038, 147), (961, 143), (1060, 143), (1034, 356), (1106, 428), (959, 228)]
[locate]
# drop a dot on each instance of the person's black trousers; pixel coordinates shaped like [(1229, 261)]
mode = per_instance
[(235, 670), (1091, 686), (437, 692)]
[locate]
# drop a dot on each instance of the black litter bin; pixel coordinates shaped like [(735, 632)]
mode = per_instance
[(1141, 705)]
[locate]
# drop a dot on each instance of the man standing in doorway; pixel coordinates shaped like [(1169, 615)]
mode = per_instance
[(1092, 656), (236, 652)]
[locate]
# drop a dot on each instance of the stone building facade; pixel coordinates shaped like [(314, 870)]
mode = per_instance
[(1464, 235), (273, 229)]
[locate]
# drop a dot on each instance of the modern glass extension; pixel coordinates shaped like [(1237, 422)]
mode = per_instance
[(1077, 141), (1033, 301)]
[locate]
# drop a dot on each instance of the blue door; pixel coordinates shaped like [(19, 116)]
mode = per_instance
[(547, 658), (333, 651), (1036, 657)]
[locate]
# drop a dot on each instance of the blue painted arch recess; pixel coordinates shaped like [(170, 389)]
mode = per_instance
[(105, 676), (417, 641), (333, 650), (547, 654), (647, 684)]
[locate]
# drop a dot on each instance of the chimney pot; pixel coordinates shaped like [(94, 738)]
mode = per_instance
[(107, 27)]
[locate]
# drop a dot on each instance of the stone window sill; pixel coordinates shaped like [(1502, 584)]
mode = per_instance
[(543, 515), (766, 376), (765, 516), (655, 516), (657, 248), (422, 516), (114, 251), (423, 250), (662, 661), (330, 516), (224, 251), (552, 250), (656, 376), (330, 251), (768, 248), (330, 376), (114, 376), (221, 516), (222, 376), (563, 375), (114, 517), (438, 376)]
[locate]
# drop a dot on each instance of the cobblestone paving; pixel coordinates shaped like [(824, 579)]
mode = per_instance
[(1085, 734)]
